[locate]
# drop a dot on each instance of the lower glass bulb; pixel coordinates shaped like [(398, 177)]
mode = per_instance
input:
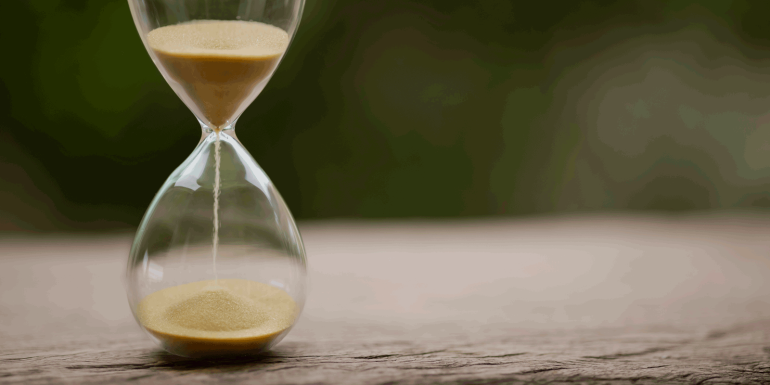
[(217, 266)]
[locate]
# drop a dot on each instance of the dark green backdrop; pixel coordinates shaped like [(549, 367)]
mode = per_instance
[(390, 109)]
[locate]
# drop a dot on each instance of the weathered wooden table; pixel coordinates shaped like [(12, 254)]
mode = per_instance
[(610, 300)]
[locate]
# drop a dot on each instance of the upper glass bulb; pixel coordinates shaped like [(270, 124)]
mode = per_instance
[(217, 55), (217, 266)]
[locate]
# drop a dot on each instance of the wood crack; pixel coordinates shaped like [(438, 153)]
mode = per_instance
[(380, 356), (504, 355), (540, 370), (700, 382), (622, 355)]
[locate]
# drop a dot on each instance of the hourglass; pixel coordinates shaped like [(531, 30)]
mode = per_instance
[(217, 266)]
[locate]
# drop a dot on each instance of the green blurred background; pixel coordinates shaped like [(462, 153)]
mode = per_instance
[(392, 109)]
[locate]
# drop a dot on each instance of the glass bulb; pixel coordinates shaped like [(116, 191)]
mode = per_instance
[(251, 267)]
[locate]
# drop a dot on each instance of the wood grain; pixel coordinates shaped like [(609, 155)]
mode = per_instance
[(581, 300)]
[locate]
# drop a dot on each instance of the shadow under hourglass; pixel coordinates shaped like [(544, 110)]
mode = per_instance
[(163, 360)]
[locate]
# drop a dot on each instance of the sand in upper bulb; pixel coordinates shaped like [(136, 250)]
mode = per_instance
[(219, 63), (226, 316)]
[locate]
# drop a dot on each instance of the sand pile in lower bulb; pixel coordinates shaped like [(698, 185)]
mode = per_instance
[(217, 316), (216, 309)]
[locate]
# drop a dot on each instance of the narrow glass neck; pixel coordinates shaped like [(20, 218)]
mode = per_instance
[(208, 130)]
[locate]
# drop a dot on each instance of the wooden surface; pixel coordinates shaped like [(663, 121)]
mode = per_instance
[(593, 300)]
